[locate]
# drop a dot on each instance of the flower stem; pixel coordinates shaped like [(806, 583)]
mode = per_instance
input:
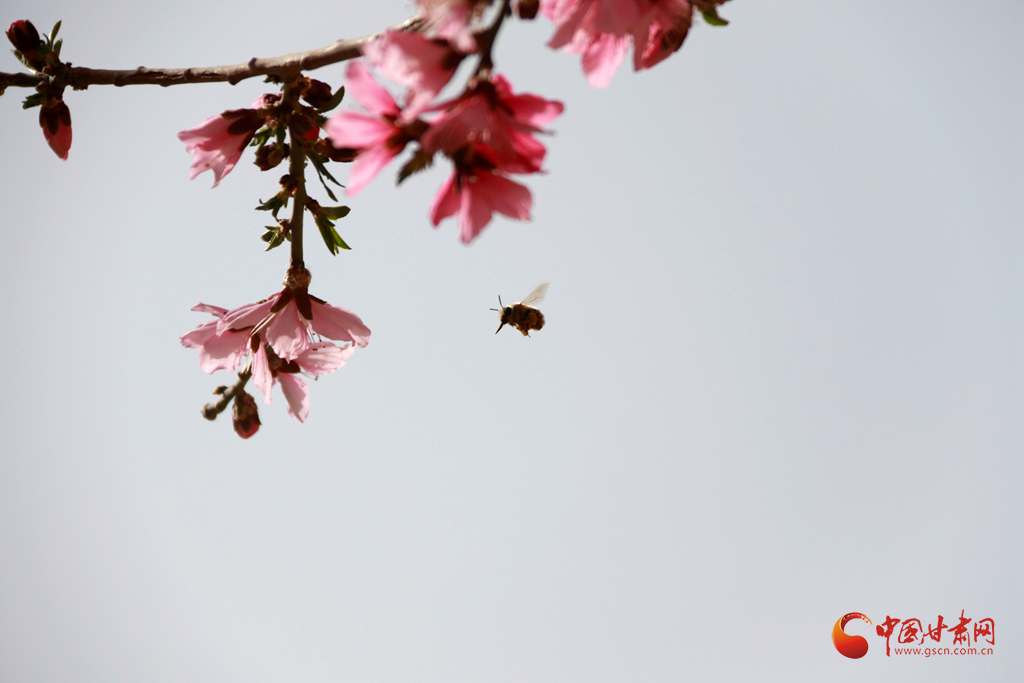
[(485, 39), (212, 410), (297, 170)]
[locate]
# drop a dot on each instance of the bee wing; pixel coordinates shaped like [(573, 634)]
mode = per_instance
[(537, 295)]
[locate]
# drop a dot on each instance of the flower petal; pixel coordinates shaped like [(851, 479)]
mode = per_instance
[(287, 333), (297, 394), (369, 92), (339, 324), (323, 358)]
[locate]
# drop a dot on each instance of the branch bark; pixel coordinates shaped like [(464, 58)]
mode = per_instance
[(80, 77)]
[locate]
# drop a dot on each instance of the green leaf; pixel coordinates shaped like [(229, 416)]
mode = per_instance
[(711, 16), (53, 32), (419, 161), (279, 132), (331, 237), (321, 171), (22, 59), (335, 212), (57, 46), (33, 100), (335, 100), (272, 237), (274, 204), (260, 138)]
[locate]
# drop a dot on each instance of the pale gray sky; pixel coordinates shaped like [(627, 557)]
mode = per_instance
[(780, 379)]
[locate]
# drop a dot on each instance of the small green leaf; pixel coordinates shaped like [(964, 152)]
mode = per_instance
[(53, 32), (711, 16), (22, 59), (272, 237), (274, 204), (335, 212), (57, 46), (335, 100), (321, 171), (419, 161), (33, 100), (279, 132)]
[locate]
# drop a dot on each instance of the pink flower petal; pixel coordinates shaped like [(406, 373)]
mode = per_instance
[(207, 308), (602, 58), (323, 358), (357, 131), (366, 167), (223, 351), (261, 375), (338, 324), (287, 333), (446, 202), (368, 92), (246, 316), (296, 393)]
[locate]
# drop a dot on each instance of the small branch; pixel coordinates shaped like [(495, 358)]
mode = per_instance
[(297, 170), (212, 410), (80, 77), (485, 39)]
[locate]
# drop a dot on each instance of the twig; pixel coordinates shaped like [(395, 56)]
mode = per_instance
[(212, 410), (80, 77)]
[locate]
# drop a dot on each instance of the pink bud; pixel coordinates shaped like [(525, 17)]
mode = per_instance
[(245, 415), (23, 36), (55, 120)]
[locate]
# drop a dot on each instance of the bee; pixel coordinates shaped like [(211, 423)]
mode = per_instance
[(522, 315)]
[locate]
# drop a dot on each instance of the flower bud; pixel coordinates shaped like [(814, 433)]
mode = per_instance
[(317, 94), (55, 120), (23, 36), (527, 9), (303, 128), (270, 155), (245, 415)]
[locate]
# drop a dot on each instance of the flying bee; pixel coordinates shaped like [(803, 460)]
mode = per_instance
[(522, 315)]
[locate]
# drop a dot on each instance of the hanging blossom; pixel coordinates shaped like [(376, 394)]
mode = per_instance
[(488, 132), (274, 340), (600, 31), (216, 144), (375, 138)]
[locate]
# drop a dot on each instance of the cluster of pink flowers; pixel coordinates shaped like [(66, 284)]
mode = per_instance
[(600, 31), (487, 131), (277, 338)]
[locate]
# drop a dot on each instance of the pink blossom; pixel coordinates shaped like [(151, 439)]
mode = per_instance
[(55, 120), (217, 142), (422, 65), (453, 21), (475, 195), (275, 335), (377, 138), (287, 321), (496, 123), (600, 30)]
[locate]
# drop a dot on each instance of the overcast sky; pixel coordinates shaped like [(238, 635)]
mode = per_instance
[(780, 380)]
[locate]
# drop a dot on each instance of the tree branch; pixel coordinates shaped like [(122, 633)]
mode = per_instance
[(212, 410), (80, 77)]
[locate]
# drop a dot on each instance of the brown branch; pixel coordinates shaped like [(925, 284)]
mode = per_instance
[(212, 410), (80, 77)]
